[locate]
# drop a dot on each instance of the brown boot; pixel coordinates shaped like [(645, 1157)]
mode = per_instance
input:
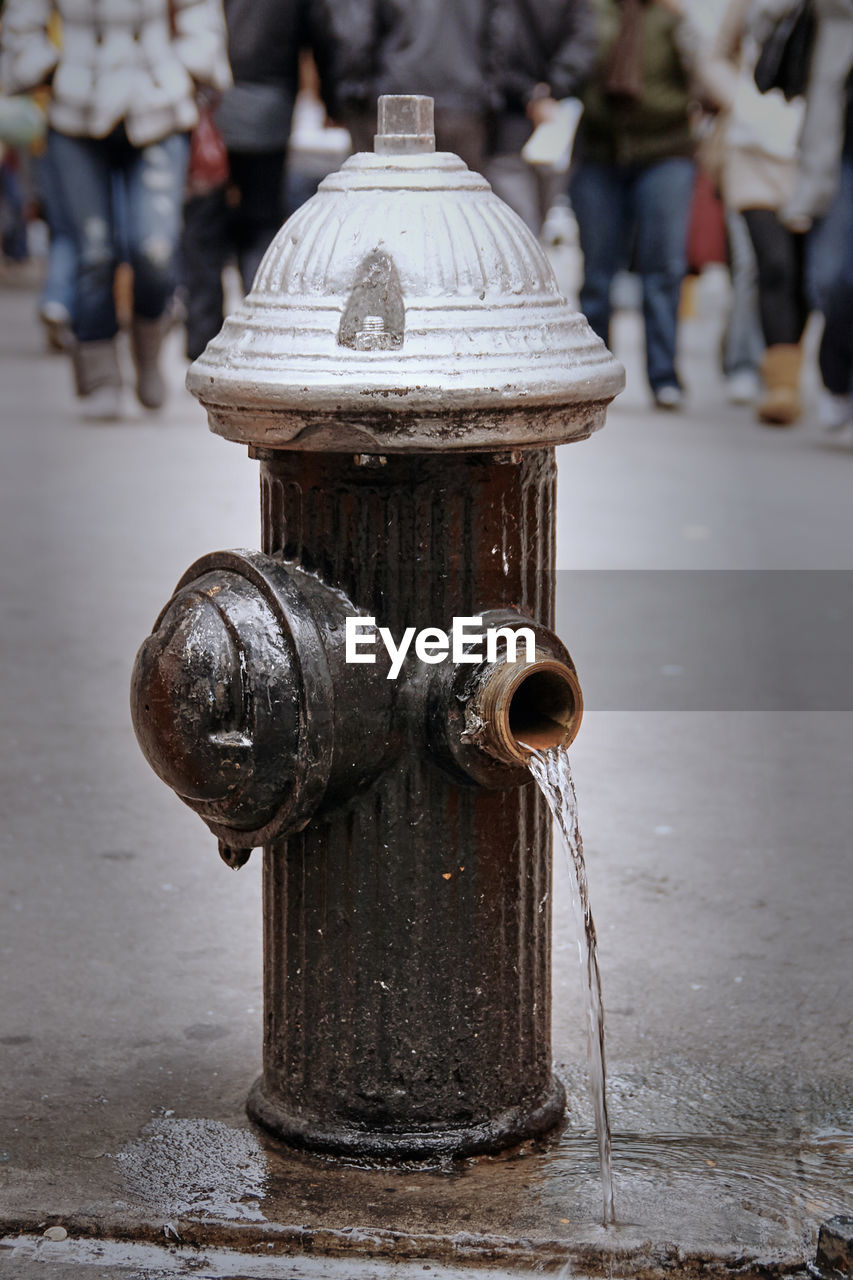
[(146, 338), (780, 404), (97, 378)]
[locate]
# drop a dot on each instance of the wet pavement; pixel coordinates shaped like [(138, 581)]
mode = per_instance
[(718, 834)]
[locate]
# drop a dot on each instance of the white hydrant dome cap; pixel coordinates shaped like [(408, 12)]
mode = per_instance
[(405, 306)]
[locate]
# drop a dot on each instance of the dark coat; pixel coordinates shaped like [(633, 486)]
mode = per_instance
[(657, 125), (346, 34), (537, 42), (551, 42), (436, 47), (264, 40)]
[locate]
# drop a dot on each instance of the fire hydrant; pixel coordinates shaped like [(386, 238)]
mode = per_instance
[(359, 698)]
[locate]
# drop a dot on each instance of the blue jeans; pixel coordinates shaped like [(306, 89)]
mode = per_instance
[(637, 215), (60, 281), (830, 279), (95, 178), (743, 343)]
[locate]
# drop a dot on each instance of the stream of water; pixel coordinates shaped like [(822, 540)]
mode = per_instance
[(554, 776)]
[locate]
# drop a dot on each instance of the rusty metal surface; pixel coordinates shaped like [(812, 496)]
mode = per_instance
[(405, 307), (407, 858), (407, 948), (835, 1247)]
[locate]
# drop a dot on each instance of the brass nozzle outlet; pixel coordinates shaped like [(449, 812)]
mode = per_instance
[(485, 719), (527, 705)]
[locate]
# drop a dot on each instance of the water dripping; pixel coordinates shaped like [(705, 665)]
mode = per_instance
[(553, 775)]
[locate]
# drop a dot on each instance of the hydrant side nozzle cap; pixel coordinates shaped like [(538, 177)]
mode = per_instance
[(405, 125)]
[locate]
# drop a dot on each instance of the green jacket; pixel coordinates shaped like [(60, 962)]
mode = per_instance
[(654, 127)]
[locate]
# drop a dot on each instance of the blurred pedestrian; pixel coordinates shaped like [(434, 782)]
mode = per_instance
[(742, 343), (13, 226), (440, 48), (57, 292), (56, 305), (743, 338), (347, 61), (822, 203), (240, 215), (121, 106), (316, 146), (760, 140), (632, 184), (542, 52)]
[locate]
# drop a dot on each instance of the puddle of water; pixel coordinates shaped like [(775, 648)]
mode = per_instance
[(197, 1167), (554, 777)]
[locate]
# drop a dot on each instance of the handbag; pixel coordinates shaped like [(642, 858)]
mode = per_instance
[(785, 56), (208, 163)]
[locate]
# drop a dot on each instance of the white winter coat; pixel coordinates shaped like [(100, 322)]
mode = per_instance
[(135, 61), (761, 130)]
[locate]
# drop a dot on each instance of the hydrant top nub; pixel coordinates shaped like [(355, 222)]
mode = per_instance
[(405, 125)]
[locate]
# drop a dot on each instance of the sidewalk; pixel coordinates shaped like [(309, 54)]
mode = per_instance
[(718, 837)]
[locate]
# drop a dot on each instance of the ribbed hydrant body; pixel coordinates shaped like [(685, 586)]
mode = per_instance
[(407, 952), (394, 371)]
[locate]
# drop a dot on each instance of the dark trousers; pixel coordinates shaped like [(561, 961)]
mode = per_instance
[(831, 260), (237, 220), (780, 256), (644, 207), (464, 134), (13, 228)]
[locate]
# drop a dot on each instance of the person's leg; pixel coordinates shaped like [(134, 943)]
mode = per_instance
[(599, 195), (463, 134), (361, 124), (204, 248), (13, 230), (83, 173), (123, 281), (259, 178), (781, 295), (830, 273), (780, 272), (155, 179), (662, 193), (743, 343), (56, 304)]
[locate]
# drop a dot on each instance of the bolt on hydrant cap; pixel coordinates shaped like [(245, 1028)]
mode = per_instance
[(405, 307), (405, 125)]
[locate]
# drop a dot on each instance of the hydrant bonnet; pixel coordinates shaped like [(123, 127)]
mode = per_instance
[(393, 311)]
